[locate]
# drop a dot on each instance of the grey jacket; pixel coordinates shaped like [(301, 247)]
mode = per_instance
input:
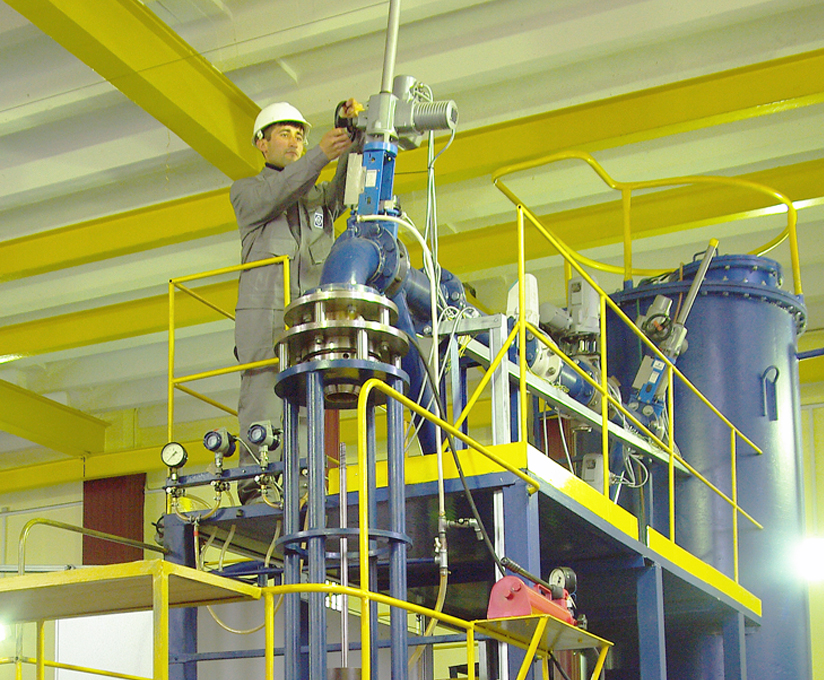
[(283, 212)]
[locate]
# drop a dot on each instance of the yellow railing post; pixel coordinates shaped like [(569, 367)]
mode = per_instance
[(524, 435), (604, 398), (160, 614), (41, 650), (671, 438), (363, 521), (170, 414), (734, 494), (626, 202), (269, 614), (470, 652)]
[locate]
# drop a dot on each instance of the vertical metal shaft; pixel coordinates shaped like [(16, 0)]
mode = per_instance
[(397, 519), (317, 521), (696, 282), (391, 49), (291, 525)]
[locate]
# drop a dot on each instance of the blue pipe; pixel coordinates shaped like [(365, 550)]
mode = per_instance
[(356, 259), (412, 364), (352, 260)]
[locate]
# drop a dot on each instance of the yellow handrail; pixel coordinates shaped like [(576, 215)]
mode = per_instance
[(79, 669), (368, 596), (575, 261), (363, 488), (626, 189), (174, 383)]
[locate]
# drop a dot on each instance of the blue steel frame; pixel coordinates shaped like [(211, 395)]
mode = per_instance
[(179, 538), (314, 619), (652, 643)]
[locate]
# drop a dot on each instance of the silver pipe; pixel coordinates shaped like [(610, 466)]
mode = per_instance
[(391, 49), (696, 283)]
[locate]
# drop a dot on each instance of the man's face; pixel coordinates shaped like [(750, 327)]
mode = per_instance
[(284, 146)]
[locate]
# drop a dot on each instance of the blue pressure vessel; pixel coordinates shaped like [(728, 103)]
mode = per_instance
[(742, 344)]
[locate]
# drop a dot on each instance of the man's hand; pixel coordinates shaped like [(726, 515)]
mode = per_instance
[(334, 143), (350, 108)]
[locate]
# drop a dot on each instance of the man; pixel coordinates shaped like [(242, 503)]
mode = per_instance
[(281, 211)]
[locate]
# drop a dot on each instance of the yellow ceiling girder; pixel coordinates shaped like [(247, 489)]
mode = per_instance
[(155, 226), (702, 102), (142, 57), (715, 99), (652, 214), (147, 458), (49, 423), (113, 322)]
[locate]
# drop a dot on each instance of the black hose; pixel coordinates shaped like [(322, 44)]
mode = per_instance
[(442, 414), (502, 563), (558, 666)]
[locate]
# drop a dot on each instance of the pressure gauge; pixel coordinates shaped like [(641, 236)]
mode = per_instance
[(564, 578), (263, 434), (220, 441), (174, 455)]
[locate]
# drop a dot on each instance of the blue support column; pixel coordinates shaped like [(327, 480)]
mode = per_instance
[(521, 527), (652, 652), (293, 664), (735, 650), (521, 544), (179, 538), (398, 551), (317, 522)]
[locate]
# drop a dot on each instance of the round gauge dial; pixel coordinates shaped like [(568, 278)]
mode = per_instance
[(564, 577), (174, 455)]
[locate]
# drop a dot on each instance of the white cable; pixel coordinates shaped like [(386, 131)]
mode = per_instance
[(566, 446), (251, 453)]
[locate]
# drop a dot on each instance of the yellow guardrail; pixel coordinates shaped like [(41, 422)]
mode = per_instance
[(533, 650), (41, 664), (577, 262), (363, 467), (177, 382), (540, 635), (626, 189), (92, 533)]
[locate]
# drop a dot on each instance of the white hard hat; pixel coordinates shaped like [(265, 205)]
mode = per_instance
[(279, 112)]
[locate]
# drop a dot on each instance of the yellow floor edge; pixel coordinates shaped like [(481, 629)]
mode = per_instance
[(689, 562), (423, 469), (578, 490)]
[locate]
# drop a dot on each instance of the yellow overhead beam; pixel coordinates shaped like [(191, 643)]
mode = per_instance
[(702, 102), (652, 215), (49, 423), (142, 57), (113, 322), (724, 97), (157, 225), (147, 458)]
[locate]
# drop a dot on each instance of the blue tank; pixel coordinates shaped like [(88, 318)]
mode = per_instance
[(742, 344)]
